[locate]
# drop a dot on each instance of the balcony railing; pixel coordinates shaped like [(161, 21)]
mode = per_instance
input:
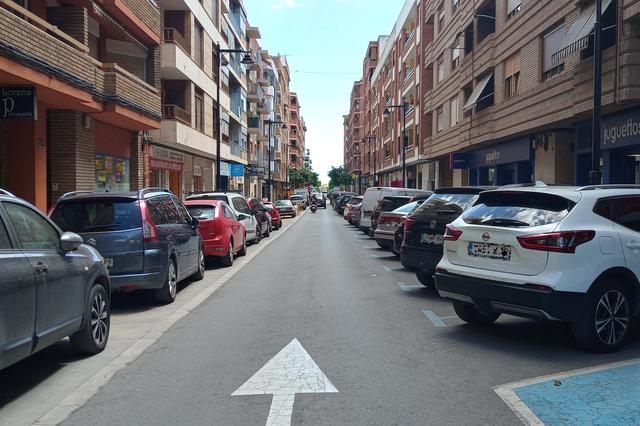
[(172, 35), (409, 37), (174, 112)]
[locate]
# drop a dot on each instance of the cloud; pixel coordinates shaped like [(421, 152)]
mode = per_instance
[(279, 4)]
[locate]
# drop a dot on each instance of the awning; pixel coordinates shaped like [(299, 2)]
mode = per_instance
[(477, 92), (113, 23), (578, 36)]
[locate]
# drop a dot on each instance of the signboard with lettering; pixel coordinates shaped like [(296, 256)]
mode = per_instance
[(237, 169), (256, 170), (508, 152), (224, 169), (18, 103), (621, 130), (458, 160), (168, 165)]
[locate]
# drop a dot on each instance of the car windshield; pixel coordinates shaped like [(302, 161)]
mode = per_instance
[(283, 203), (201, 212), (97, 215), (518, 209)]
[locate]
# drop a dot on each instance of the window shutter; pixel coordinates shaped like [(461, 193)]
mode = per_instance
[(512, 5), (551, 43)]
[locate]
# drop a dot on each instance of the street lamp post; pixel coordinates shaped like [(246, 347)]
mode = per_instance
[(270, 123), (387, 112), (246, 59), (595, 176), (372, 140)]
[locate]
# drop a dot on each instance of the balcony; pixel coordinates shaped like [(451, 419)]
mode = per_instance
[(177, 65), (174, 112), (256, 94), (121, 84), (171, 35), (175, 133), (254, 125)]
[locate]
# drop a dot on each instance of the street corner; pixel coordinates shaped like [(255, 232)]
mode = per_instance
[(603, 395)]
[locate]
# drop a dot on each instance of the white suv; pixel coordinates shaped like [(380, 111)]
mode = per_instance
[(555, 253)]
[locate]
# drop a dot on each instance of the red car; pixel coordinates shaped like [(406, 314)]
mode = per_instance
[(276, 220), (223, 235)]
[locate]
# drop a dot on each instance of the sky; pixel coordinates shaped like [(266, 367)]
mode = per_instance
[(325, 42)]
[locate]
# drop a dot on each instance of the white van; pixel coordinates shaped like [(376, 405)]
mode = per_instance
[(377, 193)]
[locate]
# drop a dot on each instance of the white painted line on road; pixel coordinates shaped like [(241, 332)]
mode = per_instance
[(386, 268), (290, 371), (407, 287), (435, 319), (380, 256), (508, 392), (84, 392)]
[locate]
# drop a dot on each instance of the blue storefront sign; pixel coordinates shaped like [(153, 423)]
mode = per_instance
[(621, 130), (458, 160), (508, 152), (236, 169), (501, 164)]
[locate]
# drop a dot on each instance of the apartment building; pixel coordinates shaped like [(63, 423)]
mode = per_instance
[(79, 86), (297, 131), (369, 148), (506, 91), (353, 132), (182, 152), (281, 158)]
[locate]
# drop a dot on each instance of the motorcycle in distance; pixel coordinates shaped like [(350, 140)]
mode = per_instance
[(314, 207)]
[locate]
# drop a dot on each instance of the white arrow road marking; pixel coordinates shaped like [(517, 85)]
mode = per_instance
[(289, 372)]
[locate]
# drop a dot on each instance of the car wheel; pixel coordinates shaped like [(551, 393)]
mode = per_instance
[(93, 336), (471, 314), (201, 266), (606, 321), (268, 233), (425, 278), (228, 259), (243, 250), (382, 245), (167, 294), (258, 235)]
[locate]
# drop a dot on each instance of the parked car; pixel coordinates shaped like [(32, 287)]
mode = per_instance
[(148, 238), (52, 286), (355, 221), (276, 220), (263, 216), (388, 223), (349, 208), (421, 245), (388, 204), (339, 197), (239, 206), (554, 253), (285, 207), (222, 234), (298, 200), (342, 202), (372, 197)]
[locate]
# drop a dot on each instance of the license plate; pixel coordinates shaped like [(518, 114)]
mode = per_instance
[(108, 262), (367, 214), (490, 251), (435, 239)]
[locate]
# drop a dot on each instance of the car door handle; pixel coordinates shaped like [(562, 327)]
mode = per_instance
[(633, 245), (41, 268)]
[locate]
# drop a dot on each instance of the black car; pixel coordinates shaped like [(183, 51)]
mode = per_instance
[(388, 204), (321, 202), (342, 202), (424, 229), (262, 216)]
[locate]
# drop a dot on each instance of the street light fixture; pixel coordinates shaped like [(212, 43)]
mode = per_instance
[(246, 60), (387, 112), (270, 123)]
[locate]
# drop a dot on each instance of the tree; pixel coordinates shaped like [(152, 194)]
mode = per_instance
[(303, 177), (339, 176)]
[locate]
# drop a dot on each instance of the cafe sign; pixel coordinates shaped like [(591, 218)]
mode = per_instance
[(18, 103)]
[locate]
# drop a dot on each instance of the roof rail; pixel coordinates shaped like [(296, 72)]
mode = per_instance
[(146, 191), (609, 186), (72, 193), (5, 192), (536, 184)]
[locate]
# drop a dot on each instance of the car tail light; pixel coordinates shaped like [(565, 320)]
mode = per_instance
[(408, 223), (559, 242), (452, 233), (53, 207), (149, 231)]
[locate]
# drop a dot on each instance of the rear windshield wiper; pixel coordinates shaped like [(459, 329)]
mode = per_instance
[(504, 222), (109, 226)]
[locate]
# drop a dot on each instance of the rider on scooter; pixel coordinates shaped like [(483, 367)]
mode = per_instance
[(314, 202)]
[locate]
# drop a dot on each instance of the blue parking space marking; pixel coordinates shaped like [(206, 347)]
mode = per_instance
[(605, 395), (435, 319)]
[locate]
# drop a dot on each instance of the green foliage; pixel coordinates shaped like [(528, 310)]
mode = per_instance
[(339, 176), (303, 177)]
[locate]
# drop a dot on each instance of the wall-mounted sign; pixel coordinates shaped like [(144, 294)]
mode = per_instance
[(621, 130), (236, 169), (159, 164), (18, 103), (458, 160), (225, 170), (256, 170), (508, 152)]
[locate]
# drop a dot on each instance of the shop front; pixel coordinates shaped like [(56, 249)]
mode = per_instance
[(620, 149), (112, 158), (165, 169), (503, 164)]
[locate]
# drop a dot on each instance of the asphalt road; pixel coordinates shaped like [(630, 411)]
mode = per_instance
[(360, 317)]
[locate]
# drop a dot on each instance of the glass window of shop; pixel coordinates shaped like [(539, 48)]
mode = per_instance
[(112, 173)]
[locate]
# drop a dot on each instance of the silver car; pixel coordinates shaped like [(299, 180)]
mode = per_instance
[(52, 286)]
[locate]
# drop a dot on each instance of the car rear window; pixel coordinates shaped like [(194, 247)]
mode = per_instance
[(97, 215), (444, 203), (201, 212), (518, 209), (407, 208), (390, 204)]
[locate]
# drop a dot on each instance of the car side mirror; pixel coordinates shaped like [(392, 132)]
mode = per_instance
[(70, 241), (242, 216), (264, 209), (195, 222)]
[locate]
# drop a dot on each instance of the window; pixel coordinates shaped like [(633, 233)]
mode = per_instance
[(513, 7), (455, 4), (551, 42), (440, 66), (441, 18), (455, 54), (387, 151), (511, 76), (182, 210), (97, 215), (229, 214), (240, 205), (198, 45), (199, 109), (5, 242), (32, 230), (454, 111), (624, 211), (162, 210), (440, 119)]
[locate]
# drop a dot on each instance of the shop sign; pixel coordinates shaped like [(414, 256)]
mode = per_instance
[(510, 152), (396, 183), (166, 154), (168, 165), (18, 103), (225, 170), (256, 170), (458, 160), (236, 169), (621, 130)]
